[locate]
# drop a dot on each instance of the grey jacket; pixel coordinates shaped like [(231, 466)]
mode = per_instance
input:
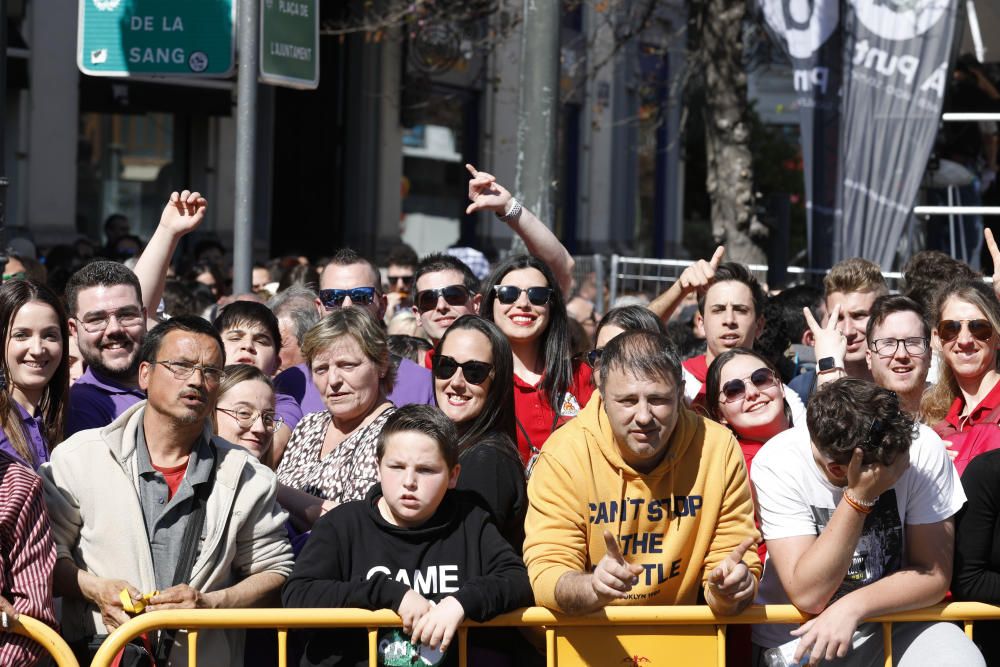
[(91, 490)]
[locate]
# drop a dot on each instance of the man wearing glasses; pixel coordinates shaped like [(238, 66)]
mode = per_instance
[(898, 351), (352, 280), (857, 507), (401, 264), (155, 511), (446, 289), (108, 320)]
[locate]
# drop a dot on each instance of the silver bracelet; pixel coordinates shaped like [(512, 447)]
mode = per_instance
[(513, 214), (867, 504)]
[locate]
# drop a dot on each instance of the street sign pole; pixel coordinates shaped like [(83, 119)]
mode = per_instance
[(246, 144)]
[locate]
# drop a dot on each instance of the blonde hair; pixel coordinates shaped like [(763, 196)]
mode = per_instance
[(360, 325), (855, 275), (938, 399)]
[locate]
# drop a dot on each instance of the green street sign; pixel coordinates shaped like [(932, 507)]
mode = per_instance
[(153, 37), (289, 43)]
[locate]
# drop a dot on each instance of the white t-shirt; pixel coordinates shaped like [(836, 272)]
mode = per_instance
[(794, 498)]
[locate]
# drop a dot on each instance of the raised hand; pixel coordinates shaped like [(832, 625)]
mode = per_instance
[(991, 245), (866, 482), (613, 577), (701, 274), (830, 342), (184, 212), (486, 194), (731, 582)]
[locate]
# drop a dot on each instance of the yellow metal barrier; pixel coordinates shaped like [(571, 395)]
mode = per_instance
[(697, 636), (48, 638)]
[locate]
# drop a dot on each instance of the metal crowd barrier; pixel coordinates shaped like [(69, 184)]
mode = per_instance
[(47, 638), (583, 266), (616, 635), (650, 277)]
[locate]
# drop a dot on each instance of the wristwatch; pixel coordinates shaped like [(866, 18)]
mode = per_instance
[(827, 364), (513, 214)]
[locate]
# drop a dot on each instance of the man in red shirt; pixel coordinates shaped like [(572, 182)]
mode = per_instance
[(732, 310)]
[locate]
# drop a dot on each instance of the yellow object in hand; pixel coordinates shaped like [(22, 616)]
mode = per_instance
[(135, 606)]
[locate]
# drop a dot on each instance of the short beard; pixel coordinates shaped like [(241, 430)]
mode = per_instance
[(125, 375)]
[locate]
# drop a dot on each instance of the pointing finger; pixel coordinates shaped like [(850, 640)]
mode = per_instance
[(472, 170), (717, 257), (994, 250), (736, 556), (611, 543)]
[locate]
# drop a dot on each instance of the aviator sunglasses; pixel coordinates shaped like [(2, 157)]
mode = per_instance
[(454, 295), (736, 389), (508, 294), (948, 330), (474, 372)]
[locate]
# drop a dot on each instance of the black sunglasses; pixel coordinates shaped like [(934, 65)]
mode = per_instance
[(474, 372), (508, 294), (734, 390), (454, 295), (948, 330), (594, 357), (334, 298)]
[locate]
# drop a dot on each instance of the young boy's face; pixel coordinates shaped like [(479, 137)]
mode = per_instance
[(250, 343), (414, 478)]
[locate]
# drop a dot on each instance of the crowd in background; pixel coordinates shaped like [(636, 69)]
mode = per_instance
[(452, 438)]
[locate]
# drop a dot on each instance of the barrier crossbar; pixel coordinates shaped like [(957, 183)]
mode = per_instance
[(47, 638), (556, 626), (650, 276)]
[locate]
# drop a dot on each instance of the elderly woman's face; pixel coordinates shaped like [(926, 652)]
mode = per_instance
[(348, 381)]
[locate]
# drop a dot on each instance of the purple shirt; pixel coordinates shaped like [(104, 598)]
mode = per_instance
[(288, 409), (36, 441), (95, 402), (413, 386)]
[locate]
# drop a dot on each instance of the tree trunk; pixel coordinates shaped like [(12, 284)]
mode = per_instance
[(729, 180)]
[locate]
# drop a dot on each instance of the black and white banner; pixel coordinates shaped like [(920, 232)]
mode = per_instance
[(870, 78), (808, 31), (892, 98)]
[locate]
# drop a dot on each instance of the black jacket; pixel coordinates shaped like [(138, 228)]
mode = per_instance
[(355, 558)]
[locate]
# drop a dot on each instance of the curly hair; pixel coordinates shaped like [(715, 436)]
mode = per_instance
[(850, 413)]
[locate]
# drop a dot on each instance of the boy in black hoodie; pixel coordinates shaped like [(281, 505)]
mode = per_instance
[(414, 545)]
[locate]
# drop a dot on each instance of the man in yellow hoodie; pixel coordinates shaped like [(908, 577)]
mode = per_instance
[(639, 500)]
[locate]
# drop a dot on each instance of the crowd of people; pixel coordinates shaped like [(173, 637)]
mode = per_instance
[(452, 441)]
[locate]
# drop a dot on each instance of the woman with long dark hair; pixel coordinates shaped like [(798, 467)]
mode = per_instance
[(743, 391), (473, 383), (35, 368), (523, 298)]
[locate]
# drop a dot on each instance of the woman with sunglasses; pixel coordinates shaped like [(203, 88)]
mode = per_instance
[(244, 411), (744, 392), (35, 365), (963, 406), (473, 384), (523, 299)]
